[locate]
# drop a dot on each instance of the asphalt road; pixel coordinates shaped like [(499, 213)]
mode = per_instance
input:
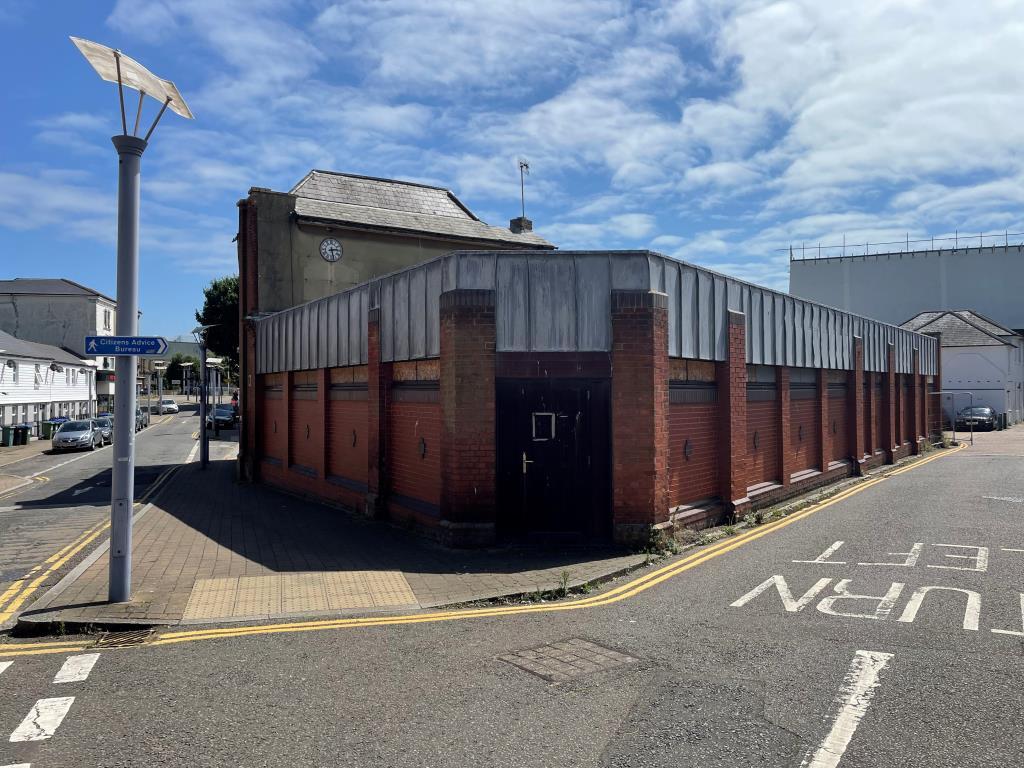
[(71, 495), (722, 677)]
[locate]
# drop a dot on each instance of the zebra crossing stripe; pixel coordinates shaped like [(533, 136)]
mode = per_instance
[(43, 720), (76, 668)]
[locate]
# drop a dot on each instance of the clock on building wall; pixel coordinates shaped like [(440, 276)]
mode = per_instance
[(330, 249)]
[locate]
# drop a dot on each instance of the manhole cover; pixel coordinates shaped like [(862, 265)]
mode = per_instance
[(124, 639), (566, 660)]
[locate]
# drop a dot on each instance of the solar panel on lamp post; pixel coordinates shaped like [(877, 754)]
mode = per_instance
[(114, 67)]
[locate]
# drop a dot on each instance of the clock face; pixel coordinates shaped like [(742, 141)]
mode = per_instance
[(330, 249)]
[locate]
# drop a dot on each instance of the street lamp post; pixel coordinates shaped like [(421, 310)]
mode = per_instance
[(159, 366), (204, 377), (114, 66)]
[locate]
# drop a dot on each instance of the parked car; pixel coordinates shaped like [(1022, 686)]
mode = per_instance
[(978, 417), (106, 425), (78, 435), (223, 415), (141, 419), (167, 405)]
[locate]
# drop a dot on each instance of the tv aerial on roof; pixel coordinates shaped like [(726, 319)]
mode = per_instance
[(114, 67)]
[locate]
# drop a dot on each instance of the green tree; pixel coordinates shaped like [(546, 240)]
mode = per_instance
[(175, 367), (220, 310)]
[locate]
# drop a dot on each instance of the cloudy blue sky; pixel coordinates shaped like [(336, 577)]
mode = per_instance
[(717, 132)]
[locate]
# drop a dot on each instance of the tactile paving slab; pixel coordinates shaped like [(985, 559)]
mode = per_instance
[(566, 660), (297, 593)]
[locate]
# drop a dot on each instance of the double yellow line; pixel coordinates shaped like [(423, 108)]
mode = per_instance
[(15, 596), (622, 592)]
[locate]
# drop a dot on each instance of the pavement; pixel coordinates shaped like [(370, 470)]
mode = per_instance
[(881, 628), (56, 506), (12, 454), (209, 550)]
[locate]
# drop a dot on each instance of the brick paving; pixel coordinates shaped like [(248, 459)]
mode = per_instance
[(207, 540)]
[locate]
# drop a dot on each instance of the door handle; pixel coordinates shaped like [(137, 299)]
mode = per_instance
[(525, 462)]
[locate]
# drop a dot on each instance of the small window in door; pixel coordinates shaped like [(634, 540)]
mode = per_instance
[(543, 427)]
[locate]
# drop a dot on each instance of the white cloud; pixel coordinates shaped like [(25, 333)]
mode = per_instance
[(611, 232), (718, 132)]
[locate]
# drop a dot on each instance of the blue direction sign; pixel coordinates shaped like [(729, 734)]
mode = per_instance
[(125, 346)]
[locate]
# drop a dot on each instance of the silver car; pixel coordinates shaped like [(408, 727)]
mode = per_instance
[(105, 424), (77, 435)]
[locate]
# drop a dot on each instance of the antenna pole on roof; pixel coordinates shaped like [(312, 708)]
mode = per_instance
[(524, 171)]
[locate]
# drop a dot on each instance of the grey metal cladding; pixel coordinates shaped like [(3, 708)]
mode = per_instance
[(593, 303), (689, 322), (671, 280), (418, 313), (512, 305), (354, 342), (400, 325), (552, 305), (757, 331), (432, 325), (630, 272), (387, 314), (706, 341), (363, 325), (721, 318), (476, 271), (560, 301), (320, 331)]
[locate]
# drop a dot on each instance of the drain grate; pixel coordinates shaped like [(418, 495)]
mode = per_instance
[(124, 639), (566, 660)]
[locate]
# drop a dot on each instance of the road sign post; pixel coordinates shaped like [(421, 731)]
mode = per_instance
[(126, 344), (122, 492), (204, 378)]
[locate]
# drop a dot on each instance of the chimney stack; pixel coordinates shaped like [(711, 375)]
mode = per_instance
[(520, 224)]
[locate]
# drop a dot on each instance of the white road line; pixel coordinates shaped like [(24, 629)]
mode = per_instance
[(852, 702), (4, 665), (192, 453), (64, 463), (17, 765), (44, 719), (76, 668)]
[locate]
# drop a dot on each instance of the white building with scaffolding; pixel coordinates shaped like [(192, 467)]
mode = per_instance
[(893, 282)]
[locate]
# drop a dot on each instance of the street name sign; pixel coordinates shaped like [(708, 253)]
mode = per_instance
[(125, 346)]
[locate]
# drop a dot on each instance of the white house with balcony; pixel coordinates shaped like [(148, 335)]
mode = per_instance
[(40, 382)]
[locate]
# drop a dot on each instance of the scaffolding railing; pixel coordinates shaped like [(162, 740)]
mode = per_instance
[(811, 251)]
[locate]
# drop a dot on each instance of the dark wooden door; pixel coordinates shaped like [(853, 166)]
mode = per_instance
[(553, 459)]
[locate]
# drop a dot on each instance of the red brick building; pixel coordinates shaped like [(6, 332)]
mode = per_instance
[(577, 396)]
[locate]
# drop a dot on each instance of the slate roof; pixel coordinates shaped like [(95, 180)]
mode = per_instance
[(48, 286), (398, 205), (960, 328), (985, 323), (15, 347)]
